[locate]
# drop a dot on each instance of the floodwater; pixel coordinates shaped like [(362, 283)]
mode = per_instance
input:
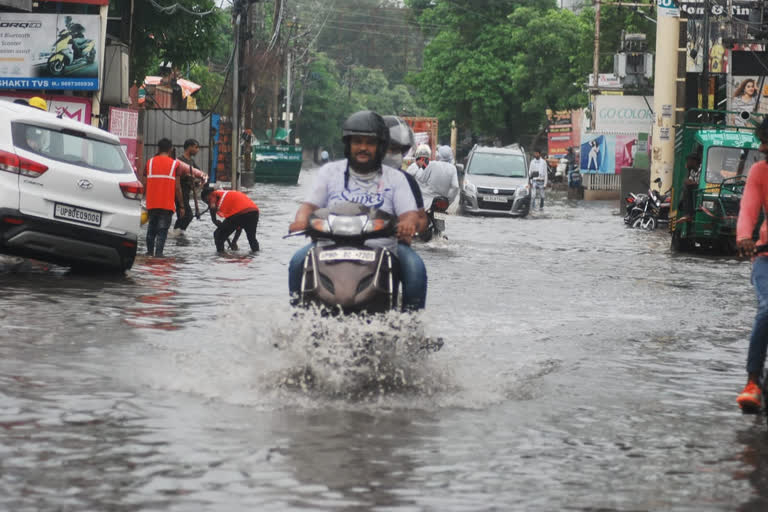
[(585, 368)]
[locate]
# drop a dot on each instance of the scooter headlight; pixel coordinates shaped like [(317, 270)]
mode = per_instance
[(374, 225), (346, 225)]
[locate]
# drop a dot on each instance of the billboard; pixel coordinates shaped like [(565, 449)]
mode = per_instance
[(50, 51), (627, 114), (125, 124), (602, 153)]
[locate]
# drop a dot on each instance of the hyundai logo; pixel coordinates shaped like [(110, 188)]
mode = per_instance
[(85, 184)]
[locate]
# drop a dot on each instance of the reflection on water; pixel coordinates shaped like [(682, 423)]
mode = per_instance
[(584, 367)]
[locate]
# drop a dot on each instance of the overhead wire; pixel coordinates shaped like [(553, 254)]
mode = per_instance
[(170, 9)]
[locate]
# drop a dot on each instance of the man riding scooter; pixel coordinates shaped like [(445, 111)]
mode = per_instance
[(362, 178)]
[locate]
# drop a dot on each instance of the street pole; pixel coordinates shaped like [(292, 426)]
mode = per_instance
[(287, 94), (236, 109), (705, 58), (454, 137), (665, 92), (595, 67)]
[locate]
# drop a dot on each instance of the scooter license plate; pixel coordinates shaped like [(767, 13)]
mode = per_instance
[(439, 216), (495, 199), (347, 254)]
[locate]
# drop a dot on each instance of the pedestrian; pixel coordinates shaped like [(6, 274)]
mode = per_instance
[(753, 202), (239, 214), (191, 148), (537, 171), (163, 189)]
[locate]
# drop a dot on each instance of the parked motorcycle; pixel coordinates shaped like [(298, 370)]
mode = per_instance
[(435, 219), (341, 273), (635, 206), (651, 211), (65, 47)]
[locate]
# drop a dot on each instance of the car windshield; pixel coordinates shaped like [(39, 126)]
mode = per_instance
[(497, 164), (72, 147), (724, 162)]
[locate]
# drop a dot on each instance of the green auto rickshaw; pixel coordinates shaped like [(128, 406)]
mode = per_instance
[(703, 212)]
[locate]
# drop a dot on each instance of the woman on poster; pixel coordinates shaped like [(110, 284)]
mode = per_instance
[(744, 99)]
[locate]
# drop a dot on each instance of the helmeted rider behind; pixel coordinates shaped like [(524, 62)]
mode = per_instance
[(440, 177), (363, 179), (420, 159), (401, 141)]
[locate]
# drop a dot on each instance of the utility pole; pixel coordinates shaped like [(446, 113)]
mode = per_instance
[(595, 67), (665, 91), (705, 57), (287, 93), (236, 108)]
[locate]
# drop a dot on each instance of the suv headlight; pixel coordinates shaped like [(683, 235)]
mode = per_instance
[(469, 187), (522, 191)]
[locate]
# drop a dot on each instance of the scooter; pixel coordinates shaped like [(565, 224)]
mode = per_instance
[(435, 219), (341, 273), (63, 53)]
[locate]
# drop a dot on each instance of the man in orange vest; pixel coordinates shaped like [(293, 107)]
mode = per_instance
[(162, 190), (239, 213)]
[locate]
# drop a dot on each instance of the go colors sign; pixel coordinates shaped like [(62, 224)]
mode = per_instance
[(50, 51), (624, 114)]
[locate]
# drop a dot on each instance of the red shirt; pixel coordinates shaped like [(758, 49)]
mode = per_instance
[(754, 200)]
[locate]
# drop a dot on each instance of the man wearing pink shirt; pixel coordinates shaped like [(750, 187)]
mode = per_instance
[(755, 200)]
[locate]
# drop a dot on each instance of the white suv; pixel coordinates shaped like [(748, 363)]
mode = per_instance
[(68, 194)]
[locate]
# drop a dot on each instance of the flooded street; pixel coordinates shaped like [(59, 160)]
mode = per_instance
[(585, 367)]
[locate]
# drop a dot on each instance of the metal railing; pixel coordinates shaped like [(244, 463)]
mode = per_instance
[(601, 181)]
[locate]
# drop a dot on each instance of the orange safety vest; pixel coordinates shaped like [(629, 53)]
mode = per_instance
[(232, 202), (161, 183)]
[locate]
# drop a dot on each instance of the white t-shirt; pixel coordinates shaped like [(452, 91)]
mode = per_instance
[(387, 190)]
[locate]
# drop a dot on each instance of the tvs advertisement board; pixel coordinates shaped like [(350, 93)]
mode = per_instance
[(50, 51)]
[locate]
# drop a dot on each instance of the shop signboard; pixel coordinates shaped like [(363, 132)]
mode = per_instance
[(628, 114), (125, 124), (50, 51)]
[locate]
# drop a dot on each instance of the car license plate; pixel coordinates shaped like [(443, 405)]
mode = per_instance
[(347, 254), (495, 199), (76, 214), (439, 216)]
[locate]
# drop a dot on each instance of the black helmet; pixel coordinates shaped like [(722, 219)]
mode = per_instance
[(370, 124), (400, 134)]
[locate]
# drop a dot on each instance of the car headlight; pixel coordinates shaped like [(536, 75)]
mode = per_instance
[(522, 191), (469, 187)]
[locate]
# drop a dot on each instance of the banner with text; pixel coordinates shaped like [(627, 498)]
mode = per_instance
[(627, 114), (50, 51)]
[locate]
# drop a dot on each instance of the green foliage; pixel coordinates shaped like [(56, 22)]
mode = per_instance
[(498, 66), (329, 98), (212, 85), (324, 105), (180, 38)]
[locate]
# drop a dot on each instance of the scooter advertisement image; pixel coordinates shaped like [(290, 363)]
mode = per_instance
[(49, 51)]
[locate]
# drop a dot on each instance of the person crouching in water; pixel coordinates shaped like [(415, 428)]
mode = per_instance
[(239, 214)]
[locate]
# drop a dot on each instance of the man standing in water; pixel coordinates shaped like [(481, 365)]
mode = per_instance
[(183, 211), (755, 200), (538, 173), (162, 189)]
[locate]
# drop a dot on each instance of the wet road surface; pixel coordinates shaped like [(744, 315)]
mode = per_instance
[(585, 367)]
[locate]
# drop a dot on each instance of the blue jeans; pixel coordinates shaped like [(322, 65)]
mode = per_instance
[(759, 339), (413, 275), (157, 230)]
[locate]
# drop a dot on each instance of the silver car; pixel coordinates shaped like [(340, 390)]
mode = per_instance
[(496, 182)]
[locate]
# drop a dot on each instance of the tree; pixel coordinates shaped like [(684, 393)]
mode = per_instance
[(499, 64), (179, 37)]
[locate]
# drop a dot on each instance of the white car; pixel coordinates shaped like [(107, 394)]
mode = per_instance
[(68, 193)]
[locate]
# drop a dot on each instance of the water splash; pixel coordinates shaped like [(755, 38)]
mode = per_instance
[(357, 357)]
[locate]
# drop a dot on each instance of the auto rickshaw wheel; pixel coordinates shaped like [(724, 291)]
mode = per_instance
[(680, 244)]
